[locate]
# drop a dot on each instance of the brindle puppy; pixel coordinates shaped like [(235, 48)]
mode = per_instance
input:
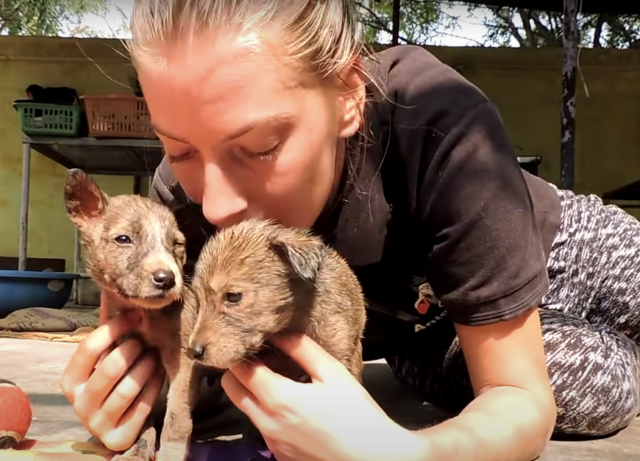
[(133, 247)]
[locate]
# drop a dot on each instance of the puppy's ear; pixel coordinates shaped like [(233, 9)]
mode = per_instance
[(303, 253), (83, 198)]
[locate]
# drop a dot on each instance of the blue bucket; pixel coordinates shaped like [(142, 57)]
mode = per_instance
[(23, 289)]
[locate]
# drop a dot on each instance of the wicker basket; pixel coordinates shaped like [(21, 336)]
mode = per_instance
[(41, 119), (117, 116)]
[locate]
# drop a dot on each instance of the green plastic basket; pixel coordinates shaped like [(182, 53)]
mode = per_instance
[(49, 119)]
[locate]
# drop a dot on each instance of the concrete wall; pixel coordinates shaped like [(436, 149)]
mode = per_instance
[(525, 85), (89, 66)]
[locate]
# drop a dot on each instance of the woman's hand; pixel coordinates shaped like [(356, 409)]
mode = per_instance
[(333, 418), (111, 397)]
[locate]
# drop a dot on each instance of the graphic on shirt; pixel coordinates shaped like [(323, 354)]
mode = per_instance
[(426, 298)]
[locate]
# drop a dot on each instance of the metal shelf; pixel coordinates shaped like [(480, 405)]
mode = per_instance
[(104, 156), (121, 157)]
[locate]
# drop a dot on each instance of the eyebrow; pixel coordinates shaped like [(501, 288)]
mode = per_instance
[(276, 119)]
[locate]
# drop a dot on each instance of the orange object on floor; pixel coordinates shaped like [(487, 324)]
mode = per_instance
[(15, 414)]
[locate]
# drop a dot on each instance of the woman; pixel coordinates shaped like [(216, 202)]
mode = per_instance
[(271, 109)]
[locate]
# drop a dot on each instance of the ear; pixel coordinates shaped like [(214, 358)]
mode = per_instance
[(303, 254), (83, 198), (351, 100)]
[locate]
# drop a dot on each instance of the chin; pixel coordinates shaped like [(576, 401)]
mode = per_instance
[(217, 360), (155, 302), (214, 364)]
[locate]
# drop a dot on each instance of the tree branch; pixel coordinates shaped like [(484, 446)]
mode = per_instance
[(597, 33), (550, 36), (526, 25), (380, 24), (505, 16)]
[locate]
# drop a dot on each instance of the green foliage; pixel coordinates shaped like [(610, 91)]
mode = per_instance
[(422, 21), (536, 29), (47, 17), (429, 21)]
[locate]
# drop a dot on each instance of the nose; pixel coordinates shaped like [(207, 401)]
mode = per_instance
[(164, 279), (222, 203), (195, 351)]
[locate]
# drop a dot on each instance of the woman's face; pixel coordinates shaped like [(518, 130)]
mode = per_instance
[(245, 135)]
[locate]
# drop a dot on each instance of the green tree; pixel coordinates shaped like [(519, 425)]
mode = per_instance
[(536, 29), (48, 17), (421, 21)]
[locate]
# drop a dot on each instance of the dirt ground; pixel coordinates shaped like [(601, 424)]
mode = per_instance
[(36, 366)]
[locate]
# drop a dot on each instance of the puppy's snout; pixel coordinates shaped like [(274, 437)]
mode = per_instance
[(195, 351), (164, 279)]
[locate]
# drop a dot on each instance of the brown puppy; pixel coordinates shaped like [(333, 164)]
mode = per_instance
[(134, 248), (256, 280)]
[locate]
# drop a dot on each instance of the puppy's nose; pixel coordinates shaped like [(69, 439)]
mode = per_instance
[(195, 351), (164, 279)]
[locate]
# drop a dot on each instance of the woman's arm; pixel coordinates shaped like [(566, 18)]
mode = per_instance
[(514, 413), (486, 258)]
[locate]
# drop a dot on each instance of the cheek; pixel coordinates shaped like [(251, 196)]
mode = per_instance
[(308, 159), (306, 166)]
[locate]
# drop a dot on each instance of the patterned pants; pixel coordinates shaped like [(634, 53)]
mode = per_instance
[(590, 325)]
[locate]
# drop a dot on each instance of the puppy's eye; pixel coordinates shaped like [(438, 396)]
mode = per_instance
[(123, 240), (233, 298)]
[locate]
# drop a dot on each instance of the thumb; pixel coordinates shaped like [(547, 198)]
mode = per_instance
[(317, 362)]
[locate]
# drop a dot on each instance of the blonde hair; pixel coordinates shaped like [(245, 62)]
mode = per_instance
[(325, 35)]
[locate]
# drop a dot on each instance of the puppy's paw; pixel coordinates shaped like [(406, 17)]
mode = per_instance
[(173, 451), (142, 450)]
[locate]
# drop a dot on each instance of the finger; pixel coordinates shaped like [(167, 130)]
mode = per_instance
[(266, 385), (129, 426), (244, 400), (313, 359), (82, 363), (110, 371), (128, 389)]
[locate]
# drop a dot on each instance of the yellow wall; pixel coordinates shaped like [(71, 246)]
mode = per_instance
[(524, 84), (48, 62)]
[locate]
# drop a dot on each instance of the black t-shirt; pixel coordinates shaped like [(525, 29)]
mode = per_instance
[(433, 205)]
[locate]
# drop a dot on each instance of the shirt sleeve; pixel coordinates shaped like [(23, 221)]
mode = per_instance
[(487, 262)]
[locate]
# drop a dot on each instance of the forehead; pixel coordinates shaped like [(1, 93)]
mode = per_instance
[(129, 213), (217, 77)]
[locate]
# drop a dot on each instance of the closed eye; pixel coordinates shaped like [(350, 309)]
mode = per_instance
[(177, 158), (265, 155)]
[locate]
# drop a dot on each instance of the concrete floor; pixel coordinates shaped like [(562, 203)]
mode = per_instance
[(36, 366)]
